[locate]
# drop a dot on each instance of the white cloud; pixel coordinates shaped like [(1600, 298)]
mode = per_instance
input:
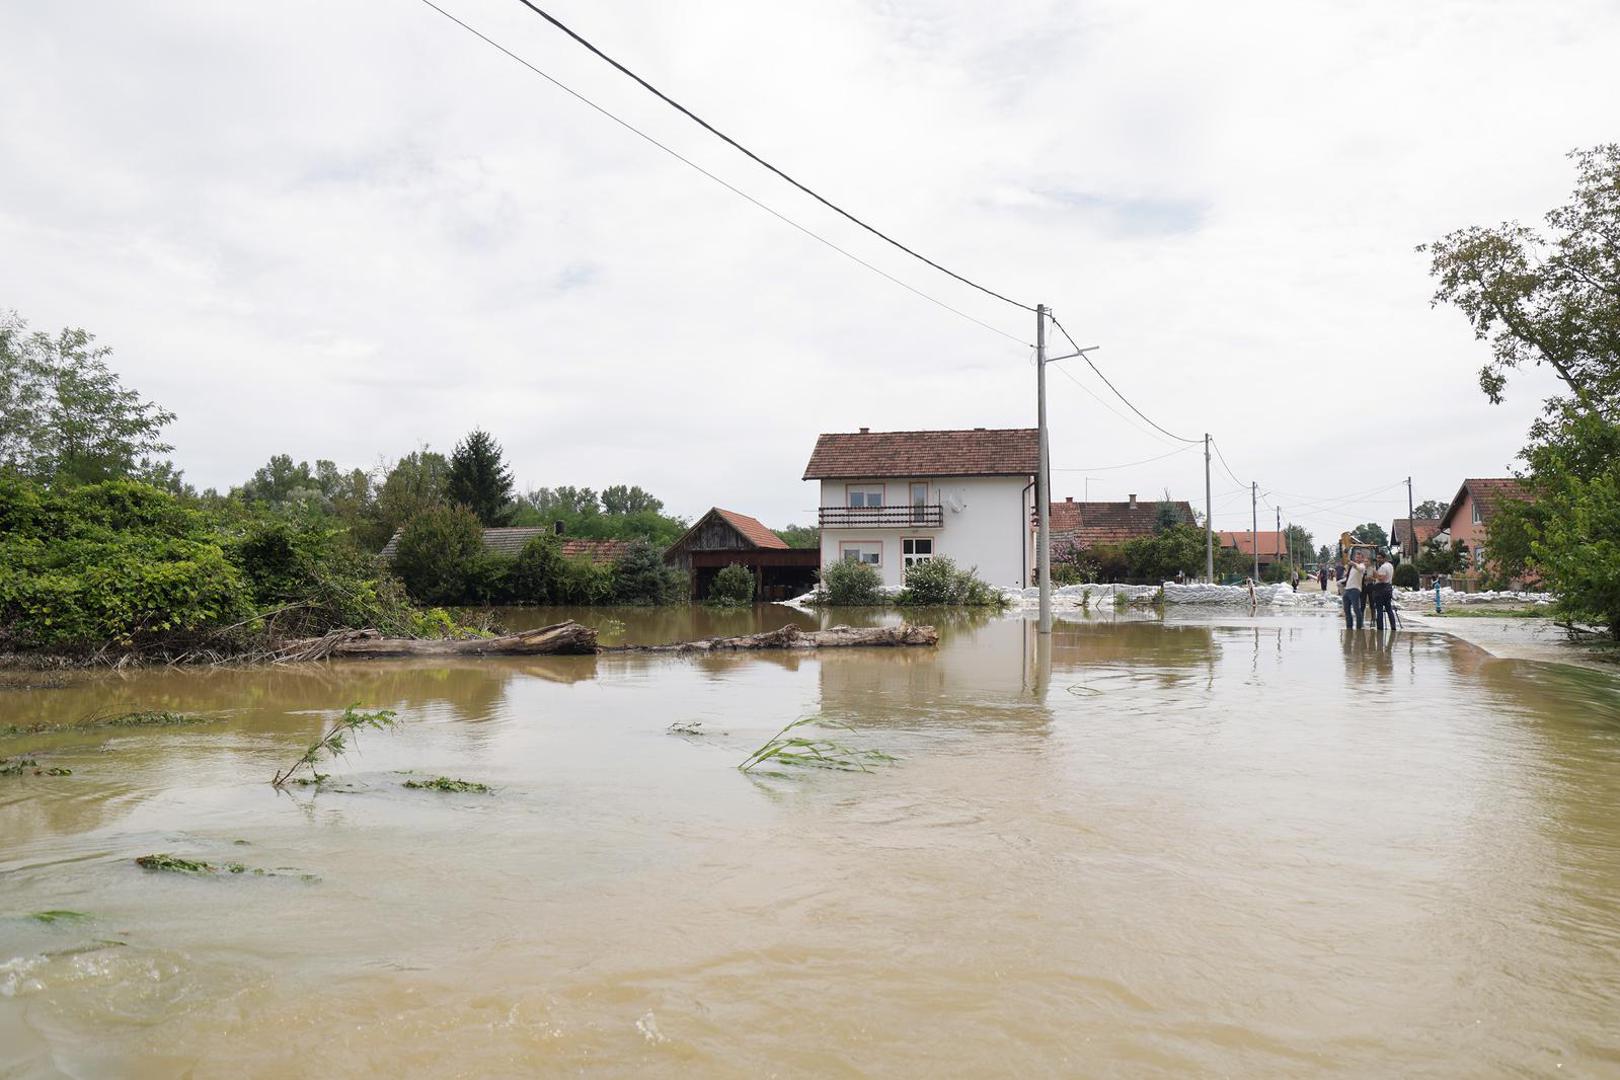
[(343, 230)]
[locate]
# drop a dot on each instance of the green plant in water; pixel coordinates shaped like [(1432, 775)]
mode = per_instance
[(336, 741), (786, 748), (173, 864), (57, 915), (152, 719), (444, 783)]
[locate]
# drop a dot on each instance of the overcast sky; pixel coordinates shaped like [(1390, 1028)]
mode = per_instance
[(347, 229)]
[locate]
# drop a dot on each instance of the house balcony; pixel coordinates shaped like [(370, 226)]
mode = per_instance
[(883, 517)]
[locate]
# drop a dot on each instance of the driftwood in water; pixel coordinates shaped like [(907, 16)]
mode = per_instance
[(567, 638), (791, 637), (570, 638)]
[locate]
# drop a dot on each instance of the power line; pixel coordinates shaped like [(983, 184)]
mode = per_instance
[(1224, 465), (723, 183), (723, 137), (1127, 465), (1067, 374), (1114, 388)]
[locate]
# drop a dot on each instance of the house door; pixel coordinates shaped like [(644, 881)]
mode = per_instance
[(919, 503)]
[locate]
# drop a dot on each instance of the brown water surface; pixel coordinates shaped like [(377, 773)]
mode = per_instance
[(1248, 848)]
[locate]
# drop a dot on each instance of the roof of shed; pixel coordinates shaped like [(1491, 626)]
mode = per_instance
[(1087, 524)]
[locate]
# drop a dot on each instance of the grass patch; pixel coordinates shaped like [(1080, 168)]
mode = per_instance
[(58, 915), (1495, 613), (800, 751), (444, 783)]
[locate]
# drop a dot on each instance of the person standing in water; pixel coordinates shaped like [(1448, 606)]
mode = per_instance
[(1383, 592), (1352, 595), (1321, 577)]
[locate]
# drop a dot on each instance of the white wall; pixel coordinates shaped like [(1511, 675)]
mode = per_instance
[(990, 531)]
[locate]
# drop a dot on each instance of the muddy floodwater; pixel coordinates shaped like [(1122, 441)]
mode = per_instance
[(1227, 848)]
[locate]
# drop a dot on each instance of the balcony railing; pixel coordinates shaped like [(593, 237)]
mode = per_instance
[(883, 517)]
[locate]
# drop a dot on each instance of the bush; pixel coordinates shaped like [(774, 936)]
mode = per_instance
[(536, 575), (314, 579), (849, 583), (1406, 576), (733, 586), (438, 555), (584, 582), (641, 578), (939, 583)]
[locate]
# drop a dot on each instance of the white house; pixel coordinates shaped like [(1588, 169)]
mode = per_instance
[(896, 498)]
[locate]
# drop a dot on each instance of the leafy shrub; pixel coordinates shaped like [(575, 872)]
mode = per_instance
[(1406, 575), (733, 586), (437, 552), (584, 582), (641, 578), (535, 576), (849, 583), (938, 582)]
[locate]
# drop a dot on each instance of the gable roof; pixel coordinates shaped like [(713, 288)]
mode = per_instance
[(1268, 543), (977, 452), (750, 529), (511, 541), (1489, 493), (1087, 524), (1402, 529)]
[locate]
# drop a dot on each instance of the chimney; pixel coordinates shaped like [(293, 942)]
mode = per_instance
[(1133, 502), (978, 429), (866, 431), (557, 527), (1068, 498)]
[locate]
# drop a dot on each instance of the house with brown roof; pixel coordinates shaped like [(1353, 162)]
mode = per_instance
[(1411, 534), (1271, 545), (510, 542), (1472, 509), (894, 499), (1084, 525), (721, 538)]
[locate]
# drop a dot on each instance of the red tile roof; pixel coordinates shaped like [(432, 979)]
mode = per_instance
[(1269, 543), (1087, 524), (1401, 532), (876, 454), (752, 529), (598, 551), (1489, 493)]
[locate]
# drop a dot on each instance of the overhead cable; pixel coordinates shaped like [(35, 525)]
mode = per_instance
[(1127, 465), (723, 183), (728, 140), (1082, 354)]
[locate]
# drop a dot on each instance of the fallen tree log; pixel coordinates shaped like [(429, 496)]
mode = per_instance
[(564, 638), (571, 639), (791, 637)]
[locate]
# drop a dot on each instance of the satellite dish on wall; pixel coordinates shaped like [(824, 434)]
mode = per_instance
[(955, 502)]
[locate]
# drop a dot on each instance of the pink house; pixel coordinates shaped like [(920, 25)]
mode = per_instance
[(1470, 513)]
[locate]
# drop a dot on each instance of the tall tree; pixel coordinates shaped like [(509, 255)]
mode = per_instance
[(619, 499), (64, 415), (1546, 297), (1371, 533), (1429, 508), (479, 478), (565, 501), (415, 483)]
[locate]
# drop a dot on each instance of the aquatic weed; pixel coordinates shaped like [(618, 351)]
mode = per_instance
[(173, 864), (784, 748), (16, 766), (57, 915), (444, 783)]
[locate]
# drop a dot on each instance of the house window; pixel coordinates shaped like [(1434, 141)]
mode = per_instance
[(869, 552), (866, 496), (915, 550), (1476, 513)]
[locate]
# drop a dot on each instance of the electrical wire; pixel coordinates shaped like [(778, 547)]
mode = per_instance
[(1111, 386), (1224, 465), (734, 144), (1067, 374), (1127, 465), (723, 183)]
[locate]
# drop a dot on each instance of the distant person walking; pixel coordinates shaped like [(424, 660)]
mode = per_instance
[(1352, 595), (1294, 580), (1383, 592), (1321, 577)]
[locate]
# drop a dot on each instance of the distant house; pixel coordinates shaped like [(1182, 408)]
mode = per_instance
[(1084, 525), (721, 538), (893, 499), (1411, 534), (510, 541), (1471, 511), (1272, 545)]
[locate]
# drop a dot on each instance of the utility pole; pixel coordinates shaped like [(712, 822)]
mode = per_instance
[(1254, 526), (1043, 478), (1209, 520), (1411, 525), (1276, 542)]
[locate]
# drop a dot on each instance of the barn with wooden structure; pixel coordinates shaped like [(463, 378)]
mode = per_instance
[(722, 537)]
